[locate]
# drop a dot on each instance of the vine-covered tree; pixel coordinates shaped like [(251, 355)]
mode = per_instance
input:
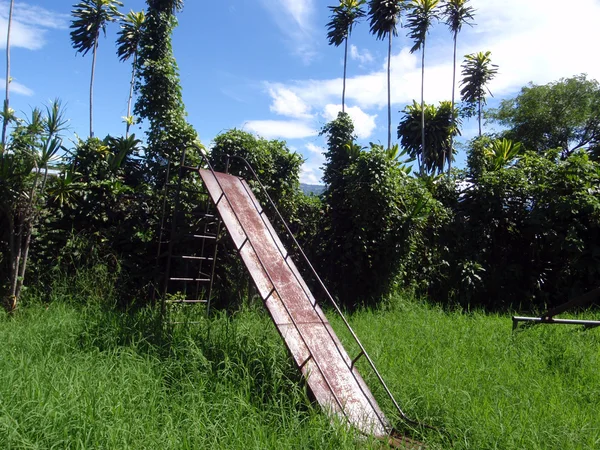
[(456, 13), (420, 18), (384, 16), (128, 44), (478, 71), (343, 18), (160, 99), (90, 17)]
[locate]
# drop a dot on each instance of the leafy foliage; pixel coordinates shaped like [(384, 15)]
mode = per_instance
[(524, 234), (564, 114), (457, 13), (439, 130), (372, 207), (384, 16), (160, 100), (34, 144), (420, 18), (91, 18), (343, 18)]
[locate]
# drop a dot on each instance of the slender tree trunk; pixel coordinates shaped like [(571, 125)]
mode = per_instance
[(132, 82), (344, 87), (33, 216), (16, 260), (92, 87), (389, 89), (453, 118), (27, 229), (423, 149), (7, 94), (12, 248), (479, 117)]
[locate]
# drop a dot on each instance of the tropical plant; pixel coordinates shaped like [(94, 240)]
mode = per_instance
[(563, 114), (5, 111), (501, 152), (343, 18), (440, 129), (420, 18), (477, 72), (384, 16), (91, 18), (128, 44), (35, 143), (457, 13)]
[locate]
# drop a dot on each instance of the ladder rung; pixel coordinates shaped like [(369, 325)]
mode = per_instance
[(196, 258), (189, 279), (187, 301), (188, 168)]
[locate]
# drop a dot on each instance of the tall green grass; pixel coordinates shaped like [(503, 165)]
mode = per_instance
[(487, 387), (76, 373)]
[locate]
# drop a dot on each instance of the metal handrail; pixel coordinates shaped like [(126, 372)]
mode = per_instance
[(331, 299)]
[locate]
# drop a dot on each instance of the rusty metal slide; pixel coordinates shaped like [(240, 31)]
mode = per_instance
[(319, 354)]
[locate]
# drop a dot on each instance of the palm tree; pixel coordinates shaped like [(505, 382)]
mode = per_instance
[(421, 16), (384, 15), (440, 130), (127, 47), (457, 13), (5, 115), (91, 17), (343, 18), (478, 71)]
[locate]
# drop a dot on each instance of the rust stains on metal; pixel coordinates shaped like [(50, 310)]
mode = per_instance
[(316, 349)]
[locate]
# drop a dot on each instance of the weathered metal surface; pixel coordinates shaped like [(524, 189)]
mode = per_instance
[(317, 351)]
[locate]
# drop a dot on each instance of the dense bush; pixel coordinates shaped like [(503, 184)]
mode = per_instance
[(525, 235), (375, 213)]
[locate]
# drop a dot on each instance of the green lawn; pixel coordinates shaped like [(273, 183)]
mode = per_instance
[(82, 377)]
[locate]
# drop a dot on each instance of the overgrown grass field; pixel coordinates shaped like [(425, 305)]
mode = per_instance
[(75, 376)]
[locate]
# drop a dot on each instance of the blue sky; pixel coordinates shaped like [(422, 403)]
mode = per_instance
[(265, 65)]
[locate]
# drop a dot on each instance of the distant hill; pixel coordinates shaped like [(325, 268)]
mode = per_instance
[(315, 189)]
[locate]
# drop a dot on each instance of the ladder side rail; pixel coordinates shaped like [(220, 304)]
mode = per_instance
[(174, 226), (161, 227), (333, 302), (274, 289)]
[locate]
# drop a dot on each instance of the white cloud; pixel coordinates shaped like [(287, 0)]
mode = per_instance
[(315, 149), (536, 40), (281, 129), (311, 172), (362, 56), (17, 88), (295, 19), (30, 24), (364, 124), (287, 103)]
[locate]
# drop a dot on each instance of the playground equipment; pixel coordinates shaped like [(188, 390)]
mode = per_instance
[(549, 316), (330, 372)]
